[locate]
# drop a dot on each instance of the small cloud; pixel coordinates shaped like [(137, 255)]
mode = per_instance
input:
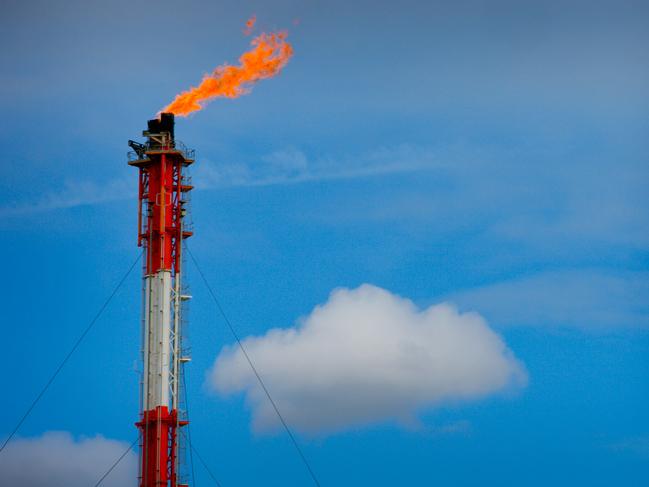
[(368, 356)]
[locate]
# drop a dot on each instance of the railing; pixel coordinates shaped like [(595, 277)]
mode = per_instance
[(148, 146)]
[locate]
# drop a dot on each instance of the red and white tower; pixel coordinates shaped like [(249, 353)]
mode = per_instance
[(163, 191)]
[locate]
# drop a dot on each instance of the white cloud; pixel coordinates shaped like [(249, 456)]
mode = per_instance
[(367, 356), (56, 459), (582, 298)]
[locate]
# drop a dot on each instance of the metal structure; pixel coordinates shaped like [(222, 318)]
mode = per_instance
[(163, 195)]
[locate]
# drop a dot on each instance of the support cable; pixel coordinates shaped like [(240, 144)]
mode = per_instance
[(189, 433), (261, 382), (67, 357), (191, 447), (130, 447), (188, 437)]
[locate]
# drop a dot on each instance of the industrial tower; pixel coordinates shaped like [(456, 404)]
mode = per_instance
[(163, 193)]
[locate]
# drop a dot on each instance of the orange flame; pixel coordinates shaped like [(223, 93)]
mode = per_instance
[(268, 56), (250, 24)]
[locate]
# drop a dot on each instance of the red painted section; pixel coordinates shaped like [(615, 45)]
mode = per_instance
[(160, 194), (159, 428)]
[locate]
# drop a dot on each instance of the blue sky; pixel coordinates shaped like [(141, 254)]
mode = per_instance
[(492, 155)]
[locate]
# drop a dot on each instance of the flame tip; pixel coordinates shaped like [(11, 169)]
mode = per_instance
[(269, 54)]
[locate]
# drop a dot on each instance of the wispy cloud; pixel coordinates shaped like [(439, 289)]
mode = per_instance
[(292, 166), (288, 166), (74, 194), (534, 200), (637, 446), (581, 298)]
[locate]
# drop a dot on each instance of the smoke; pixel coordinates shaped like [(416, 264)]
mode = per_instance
[(56, 459), (367, 356), (268, 56)]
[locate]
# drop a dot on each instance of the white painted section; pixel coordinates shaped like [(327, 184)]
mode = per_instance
[(157, 346), (176, 345)]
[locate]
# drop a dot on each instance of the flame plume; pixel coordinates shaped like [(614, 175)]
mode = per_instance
[(250, 25), (268, 56)]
